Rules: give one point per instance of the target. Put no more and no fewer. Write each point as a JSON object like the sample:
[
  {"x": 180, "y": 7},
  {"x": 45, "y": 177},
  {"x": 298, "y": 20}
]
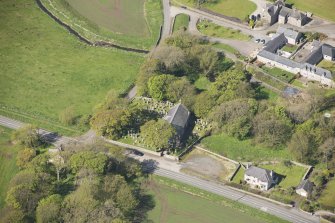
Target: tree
[
  {"x": 173, "y": 59},
  {"x": 49, "y": 209},
  {"x": 327, "y": 150},
  {"x": 28, "y": 136},
  {"x": 235, "y": 116},
  {"x": 203, "y": 104},
  {"x": 226, "y": 86},
  {"x": 181, "y": 90},
  {"x": 67, "y": 116},
  {"x": 157, "y": 134},
  {"x": 24, "y": 157},
  {"x": 301, "y": 146},
  {"x": 89, "y": 160},
  {"x": 112, "y": 123},
  {"x": 158, "y": 85},
  {"x": 271, "y": 128},
  {"x": 58, "y": 162}
]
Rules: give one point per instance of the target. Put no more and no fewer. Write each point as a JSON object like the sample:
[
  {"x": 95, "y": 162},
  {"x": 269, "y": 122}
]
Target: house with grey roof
[
  {"x": 293, "y": 37},
  {"x": 260, "y": 178},
  {"x": 271, "y": 13},
  {"x": 178, "y": 116},
  {"x": 305, "y": 188},
  {"x": 271, "y": 56},
  {"x": 328, "y": 52},
  {"x": 279, "y": 12}
]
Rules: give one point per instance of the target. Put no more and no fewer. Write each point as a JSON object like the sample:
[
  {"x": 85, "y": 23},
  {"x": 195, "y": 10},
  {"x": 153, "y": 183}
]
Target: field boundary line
[{"x": 101, "y": 43}]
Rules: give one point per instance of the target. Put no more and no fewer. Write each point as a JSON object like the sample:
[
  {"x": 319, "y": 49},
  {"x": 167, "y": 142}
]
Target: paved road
[
  {"x": 51, "y": 137},
  {"x": 170, "y": 169},
  {"x": 167, "y": 19}
]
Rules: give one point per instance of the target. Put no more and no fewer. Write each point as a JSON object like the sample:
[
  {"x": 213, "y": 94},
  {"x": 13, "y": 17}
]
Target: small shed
[{"x": 305, "y": 188}]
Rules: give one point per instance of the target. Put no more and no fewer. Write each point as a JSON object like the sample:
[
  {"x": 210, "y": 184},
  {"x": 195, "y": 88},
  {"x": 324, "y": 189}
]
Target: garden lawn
[
  {"x": 322, "y": 8},
  {"x": 327, "y": 198},
  {"x": 242, "y": 150},
  {"x": 279, "y": 73},
  {"x": 181, "y": 22},
  {"x": 129, "y": 23},
  {"x": 175, "y": 202},
  {"x": 44, "y": 69},
  {"x": 8, "y": 166},
  {"x": 234, "y": 8},
  {"x": 290, "y": 48},
  {"x": 211, "y": 29},
  {"x": 292, "y": 174}
]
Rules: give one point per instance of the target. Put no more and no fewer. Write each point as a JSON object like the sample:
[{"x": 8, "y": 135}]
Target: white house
[{"x": 260, "y": 178}]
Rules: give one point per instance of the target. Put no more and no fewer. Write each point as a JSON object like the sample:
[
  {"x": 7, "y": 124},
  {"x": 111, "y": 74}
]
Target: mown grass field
[
  {"x": 293, "y": 174},
  {"x": 44, "y": 69},
  {"x": 327, "y": 198},
  {"x": 234, "y": 8},
  {"x": 8, "y": 166},
  {"x": 322, "y": 8},
  {"x": 181, "y": 22},
  {"x": 176, "y": 202},
  {"x": 123, "y": 16},
  {"x": 211, "y": 29},
  {"x": 128, "y": 23},
  {"x": 242, "y": 150}
]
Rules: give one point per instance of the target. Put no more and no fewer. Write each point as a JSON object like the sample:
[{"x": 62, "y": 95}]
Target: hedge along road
[{"x": 83, "y": 39}]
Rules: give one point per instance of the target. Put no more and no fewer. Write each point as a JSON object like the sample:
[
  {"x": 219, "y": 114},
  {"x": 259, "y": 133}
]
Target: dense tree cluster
[{"x": 93, "y": 187}]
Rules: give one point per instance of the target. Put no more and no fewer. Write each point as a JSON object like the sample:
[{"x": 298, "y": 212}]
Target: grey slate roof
[
  {"x": 272, "y": 9},
  {"x": 289, "y": 33},
  {"x": 315, "y": 56},
  {"x": 277, "y": 42},
  {"x": 306, "y": 185},
  {"x": 297, "y": 15},
  {"x": 279, "y": 59},
  {"x": 318, "y": 70},
  {"x": 285, "y": 11},
  {"x": 178, "y": 117},
  {"x": 328, "y": 50},
  {"x": 261, "y": 174}
]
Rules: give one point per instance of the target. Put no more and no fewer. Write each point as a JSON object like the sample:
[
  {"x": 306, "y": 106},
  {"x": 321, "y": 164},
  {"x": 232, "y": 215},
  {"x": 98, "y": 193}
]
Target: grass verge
[
  {"x": 181, "y": 22},
  {"x": 8, "y": 166}
]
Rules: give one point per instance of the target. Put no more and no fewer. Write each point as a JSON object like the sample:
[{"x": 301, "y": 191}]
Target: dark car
[
  {"x": 183, "y": 7},
  {"x": 136, "y": 152}
]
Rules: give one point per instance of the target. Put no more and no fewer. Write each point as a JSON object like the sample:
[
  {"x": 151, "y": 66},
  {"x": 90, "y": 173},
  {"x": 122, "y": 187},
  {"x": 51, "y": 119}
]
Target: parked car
[
  {"x": 183, "y": 7},
  {"x": 135, "y": 152},
  {"x": 263, "y": 41},
  {"x": 257, "y": 40}
]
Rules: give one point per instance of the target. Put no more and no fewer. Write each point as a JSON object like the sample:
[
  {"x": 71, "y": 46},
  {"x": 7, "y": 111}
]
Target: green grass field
[
  {"x": 44, "y": 69},
  {"x": 125, "y": 16},
  {"x": 129, "y": 23},
  {"x": 293, "y": 174},
  {"x": 8, "y": 166},
  {"x": 211, "y": 29},
  {"x": 327, "y": 198},
  {"x": 242, "y": 150},
  {"x": 181, "y": 22},
  {"x": 176, "y": 202},
  {"x": 234, "y": 8},
  {"x": 322, "y": 8}
]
